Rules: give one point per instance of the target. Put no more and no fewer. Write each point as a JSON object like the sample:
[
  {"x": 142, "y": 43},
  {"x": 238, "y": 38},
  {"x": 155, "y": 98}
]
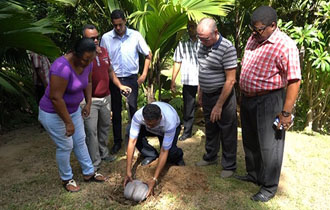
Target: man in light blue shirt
[
  {"x": 156, "y": 119},
  {"x": 124, "y": 45}
]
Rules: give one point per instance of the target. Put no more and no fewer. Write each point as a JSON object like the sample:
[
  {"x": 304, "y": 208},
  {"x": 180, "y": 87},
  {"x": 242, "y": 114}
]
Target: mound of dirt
[{"x": 174, "y": 179}]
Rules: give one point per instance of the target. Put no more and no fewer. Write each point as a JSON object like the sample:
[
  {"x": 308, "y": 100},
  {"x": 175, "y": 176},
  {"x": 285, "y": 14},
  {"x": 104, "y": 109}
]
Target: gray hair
[{"x": 208, "y": 23}]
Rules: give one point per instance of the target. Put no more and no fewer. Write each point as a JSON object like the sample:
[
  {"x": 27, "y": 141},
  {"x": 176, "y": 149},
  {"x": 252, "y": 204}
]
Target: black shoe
[
  {"x": 246, "y": 178},
  {"x": 147, "y": 161},
  {"x": 261, "y": 197},
  {"x": 110, "y": 158},
  {"x": 182, "y": 138},
  {"x": 115, "y": 149},
  {"x": 180, "y": 163}
]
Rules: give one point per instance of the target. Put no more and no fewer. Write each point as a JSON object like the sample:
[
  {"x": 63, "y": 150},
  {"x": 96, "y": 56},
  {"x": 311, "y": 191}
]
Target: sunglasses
[
  {"x": 257, "y": 30},
  {"x": 95, "y": 37}
]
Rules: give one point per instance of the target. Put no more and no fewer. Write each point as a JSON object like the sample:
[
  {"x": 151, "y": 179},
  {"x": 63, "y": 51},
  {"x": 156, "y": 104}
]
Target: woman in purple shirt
[{"x": 60, "y": 113}]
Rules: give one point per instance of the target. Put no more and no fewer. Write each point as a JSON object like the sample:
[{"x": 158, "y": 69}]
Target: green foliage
[
  {"x": 19, "y": 31},
  {"x": 313, "y": 41}
]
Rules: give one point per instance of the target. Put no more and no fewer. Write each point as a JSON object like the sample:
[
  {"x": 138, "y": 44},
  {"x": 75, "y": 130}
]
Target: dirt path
[{"x": 29, "y": 171}]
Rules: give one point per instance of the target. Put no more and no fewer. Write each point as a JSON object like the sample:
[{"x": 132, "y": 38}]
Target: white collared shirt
[
  {"x": 123, "y": 51},
  {"x": 167, "y": 126}
]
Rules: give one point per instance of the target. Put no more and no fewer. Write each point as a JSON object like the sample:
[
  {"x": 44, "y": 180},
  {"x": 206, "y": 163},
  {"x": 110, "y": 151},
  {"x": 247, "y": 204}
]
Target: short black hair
[
  {"x": 116, "y": 14},
  {"x": 264, "y": 14},
  {"x": 151, "y": 112},
  {"x": 87, "y": 26},
  {"x": 84, "y": 45}
]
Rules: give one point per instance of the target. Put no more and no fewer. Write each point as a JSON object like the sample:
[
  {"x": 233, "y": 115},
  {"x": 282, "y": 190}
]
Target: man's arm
[
  {"x": 176, "y": 69},
  {"x": 42, "y": 76},
  {"x": 116, "y": 81},
  {"x": 161, "y": 163},
  {"x": 147, "y": 62},
  {"x": 200, "y": 96},
  {"x": 88, "y": 97},
  {"x": 226, "y": 90},
  {"x": 130, "y": 153},
  {"x": 291, "y": 97}
]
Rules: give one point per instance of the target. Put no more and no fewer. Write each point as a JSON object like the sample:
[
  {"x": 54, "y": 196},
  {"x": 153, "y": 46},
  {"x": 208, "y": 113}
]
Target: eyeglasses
[
  {"x": 257, "y": 30},
  {"x": 203, "y": 39},
  {"x": 95, "y": 37}
]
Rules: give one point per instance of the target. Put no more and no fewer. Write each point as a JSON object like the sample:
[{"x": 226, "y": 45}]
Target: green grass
[{"x": 29, "y": 178}]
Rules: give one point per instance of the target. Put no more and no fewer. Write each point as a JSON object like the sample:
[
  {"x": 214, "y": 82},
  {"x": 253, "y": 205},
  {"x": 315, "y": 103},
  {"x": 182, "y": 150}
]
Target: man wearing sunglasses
[
  {"x": 97, "y": 124},
  {"x": 124, "y": 46},
  {"x": 269, "y": 82}
]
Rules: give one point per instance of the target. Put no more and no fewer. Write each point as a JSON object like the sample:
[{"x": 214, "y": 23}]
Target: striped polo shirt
[
  {"x": 186, "y": 54},
  {"x": 213, "y": 61}
]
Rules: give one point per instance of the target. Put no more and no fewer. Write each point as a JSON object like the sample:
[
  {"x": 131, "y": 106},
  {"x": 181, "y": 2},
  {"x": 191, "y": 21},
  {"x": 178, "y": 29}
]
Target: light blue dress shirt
[
  {"x": 167, "y": 126},
  {"x": 123, "y": 51}
]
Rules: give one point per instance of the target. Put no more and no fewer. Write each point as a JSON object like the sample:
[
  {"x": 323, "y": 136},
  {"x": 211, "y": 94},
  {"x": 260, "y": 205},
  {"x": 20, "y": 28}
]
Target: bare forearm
[
  {"x": 161, "y": 162},
  {"x": 88, "y": 93},
  {"x": 176, "y": 69},
  {"x": 146, "y": 64},
  {"x": 226, "y": 90},
  {"x": 130, "y": 153},
  {"x": 291, "y": 95},
  {"x": 61, "y": 110},
  {"x": 115, "y": 79}
]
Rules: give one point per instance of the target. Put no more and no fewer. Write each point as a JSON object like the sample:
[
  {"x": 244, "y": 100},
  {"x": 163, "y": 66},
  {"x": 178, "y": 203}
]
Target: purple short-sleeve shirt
[{"x": 74, "y": 93}]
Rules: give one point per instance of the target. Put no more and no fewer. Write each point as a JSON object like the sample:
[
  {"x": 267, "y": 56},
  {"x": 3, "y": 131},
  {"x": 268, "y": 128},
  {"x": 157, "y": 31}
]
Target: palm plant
[
  {"x": 20, "y": 32},
  {"x": 160, "y": 22}
]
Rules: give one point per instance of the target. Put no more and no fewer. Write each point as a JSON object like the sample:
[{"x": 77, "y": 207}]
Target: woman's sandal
[
  {"x": 71, "y": 185},
  {"x": 97, "y": 177}
]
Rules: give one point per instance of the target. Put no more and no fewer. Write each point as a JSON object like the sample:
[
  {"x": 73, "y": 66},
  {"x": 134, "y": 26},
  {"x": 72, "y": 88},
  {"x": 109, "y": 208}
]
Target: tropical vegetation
[{"x": 51, "y": 27}]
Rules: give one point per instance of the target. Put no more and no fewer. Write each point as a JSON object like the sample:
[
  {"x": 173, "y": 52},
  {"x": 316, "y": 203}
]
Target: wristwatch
[
  {"x": 155, "y": 179},
  {"x": 285, "y": 113}
]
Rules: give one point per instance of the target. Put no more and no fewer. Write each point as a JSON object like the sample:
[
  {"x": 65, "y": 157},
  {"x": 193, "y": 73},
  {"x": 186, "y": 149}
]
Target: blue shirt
[
  {"x": 167, "y": 126},
  {"x": 123, "y": 51}
]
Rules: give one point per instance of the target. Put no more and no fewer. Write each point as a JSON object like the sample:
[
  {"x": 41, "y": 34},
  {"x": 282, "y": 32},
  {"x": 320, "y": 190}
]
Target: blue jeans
[{"x": 55, "y": 127}]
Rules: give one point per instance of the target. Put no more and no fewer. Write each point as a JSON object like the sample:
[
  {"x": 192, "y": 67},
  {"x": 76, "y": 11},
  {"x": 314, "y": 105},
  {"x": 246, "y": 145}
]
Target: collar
[
  {"x": 128, "y": 32},
  {"x": 273, "y": 36},
  {"x": 271, "y": 39},
  {"x": 217, "y": 44}
]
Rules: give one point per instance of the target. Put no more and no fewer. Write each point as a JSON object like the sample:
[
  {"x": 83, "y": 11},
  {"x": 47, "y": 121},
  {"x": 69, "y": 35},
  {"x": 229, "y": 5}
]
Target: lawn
[{"x": 29, "y": 178}]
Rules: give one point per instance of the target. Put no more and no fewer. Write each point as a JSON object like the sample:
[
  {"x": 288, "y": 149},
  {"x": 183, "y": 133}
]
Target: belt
[
  {"x": 261, "y": 93},
  {"x": 128, "y": 77}
]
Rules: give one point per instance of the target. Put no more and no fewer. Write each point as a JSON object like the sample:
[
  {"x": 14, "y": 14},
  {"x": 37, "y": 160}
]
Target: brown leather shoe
[
  {"x": 71, "y": 185},
  {"x": 96, "y": 177}
]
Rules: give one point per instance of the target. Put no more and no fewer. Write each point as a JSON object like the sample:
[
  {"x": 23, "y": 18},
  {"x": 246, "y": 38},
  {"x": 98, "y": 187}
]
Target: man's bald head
[
  {"x": 207, "y": 25},
  {"x": 207, "y": 31}
]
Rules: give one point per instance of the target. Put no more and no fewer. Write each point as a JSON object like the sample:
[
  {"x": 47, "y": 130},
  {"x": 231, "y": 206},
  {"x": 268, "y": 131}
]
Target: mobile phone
[
  {"x": 277, "y": 121},
  {"x": 126, "y": 93}
]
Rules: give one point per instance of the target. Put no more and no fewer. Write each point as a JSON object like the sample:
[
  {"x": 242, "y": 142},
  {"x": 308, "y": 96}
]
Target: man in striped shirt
[
  {"x": 269, "y": 83},
  {"x": 217, "y": 71},
  {"x": 185, "y": 59}
]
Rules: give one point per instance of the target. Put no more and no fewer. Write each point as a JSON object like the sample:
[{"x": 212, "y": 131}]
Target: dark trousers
[
  {"x": 189, "y": 102},
  {"x": 116, "y": 104},
  {"x": 263, "y": 148},
  {"x": 223, "y": 131},
  {"x": 175, "y": 153}
]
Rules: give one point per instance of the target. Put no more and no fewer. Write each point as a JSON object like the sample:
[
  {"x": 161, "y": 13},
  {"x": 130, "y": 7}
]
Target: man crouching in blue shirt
[{"x": 156, "y": 119}]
